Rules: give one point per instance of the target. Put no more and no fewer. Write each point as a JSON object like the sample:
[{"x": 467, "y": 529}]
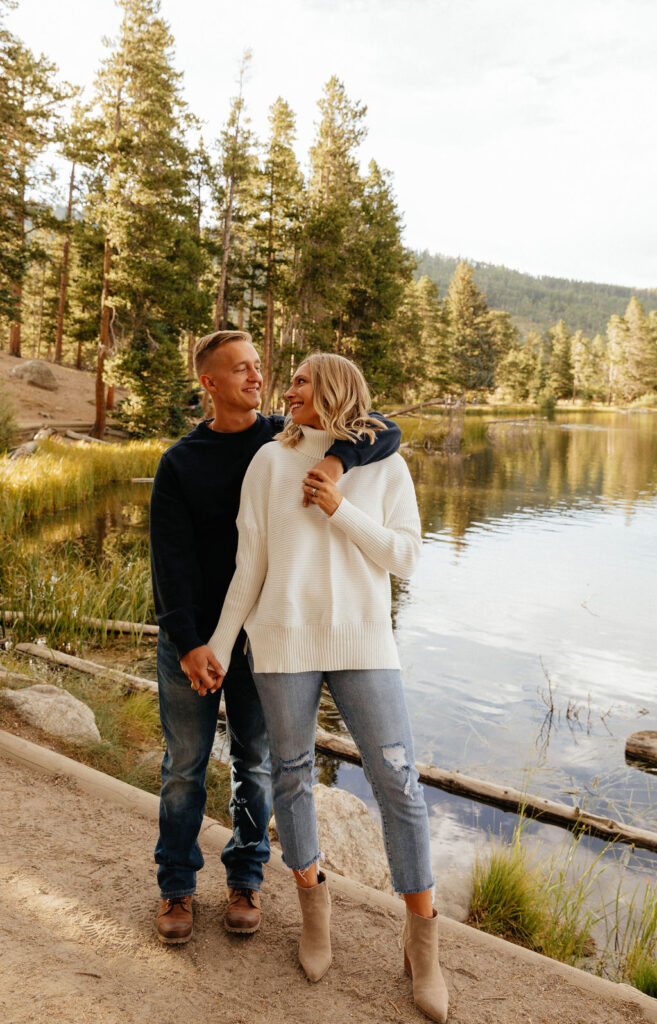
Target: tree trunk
[
  {"x": 268, "y": 354},
  {"x": 109, "y": 398},
  {"x": 41, "y": 300},
  {"x": 219, "y": 311},
  {"x": 103, "y": 345},
  {"x": 63, "y": 275},
  {"x": 191, "y": 344},
  {"x": 15, "y": 326}
]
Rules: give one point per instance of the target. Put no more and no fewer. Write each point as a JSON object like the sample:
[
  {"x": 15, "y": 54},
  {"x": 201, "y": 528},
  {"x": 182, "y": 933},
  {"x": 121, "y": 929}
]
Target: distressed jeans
[
  {"x": 189, "y": 723},
  {"x": 373, "y": 708}
]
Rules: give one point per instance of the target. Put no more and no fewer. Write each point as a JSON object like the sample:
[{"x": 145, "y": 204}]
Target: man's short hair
[{"x": 206, "y": 346}]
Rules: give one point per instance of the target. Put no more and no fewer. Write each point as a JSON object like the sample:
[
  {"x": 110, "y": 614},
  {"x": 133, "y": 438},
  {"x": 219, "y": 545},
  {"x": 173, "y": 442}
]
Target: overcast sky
[{"x": 518, "y": 133}]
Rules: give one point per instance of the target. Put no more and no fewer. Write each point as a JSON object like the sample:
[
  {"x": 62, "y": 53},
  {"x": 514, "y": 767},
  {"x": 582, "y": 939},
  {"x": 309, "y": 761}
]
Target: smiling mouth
[{"x": 295, "y": 405}]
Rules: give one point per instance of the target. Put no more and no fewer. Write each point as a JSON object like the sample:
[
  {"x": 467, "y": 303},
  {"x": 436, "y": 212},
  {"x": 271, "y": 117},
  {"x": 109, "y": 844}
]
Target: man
[{"x": 194, "y": 506}]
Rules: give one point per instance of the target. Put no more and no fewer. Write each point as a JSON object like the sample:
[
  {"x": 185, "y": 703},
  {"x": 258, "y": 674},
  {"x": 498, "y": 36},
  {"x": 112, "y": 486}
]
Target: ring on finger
[{"x": 314, "y": 492}]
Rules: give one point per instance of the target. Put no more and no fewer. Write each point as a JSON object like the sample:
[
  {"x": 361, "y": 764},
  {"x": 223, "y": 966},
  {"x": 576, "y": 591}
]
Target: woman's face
[{"x": 300, "y": 396}]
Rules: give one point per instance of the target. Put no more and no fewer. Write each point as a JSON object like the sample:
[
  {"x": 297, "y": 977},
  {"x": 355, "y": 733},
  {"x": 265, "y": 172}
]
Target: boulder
[
  {"x": 350, "y": 840},
  {"x": 453, "y": 893},
  {"x": 37, "y": 373},
  {"x": 54, "y": 710}
]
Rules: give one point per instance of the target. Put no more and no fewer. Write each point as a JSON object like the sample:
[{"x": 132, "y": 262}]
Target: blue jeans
[
  {"x": 373, "y": 708},
  {"x": 189, "y": 723}
]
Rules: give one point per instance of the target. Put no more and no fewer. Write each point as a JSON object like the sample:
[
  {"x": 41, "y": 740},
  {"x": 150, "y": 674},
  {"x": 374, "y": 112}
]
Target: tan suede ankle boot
[
  {"x": 421, "y": 962},
  {"x": 315, "y": 944}
]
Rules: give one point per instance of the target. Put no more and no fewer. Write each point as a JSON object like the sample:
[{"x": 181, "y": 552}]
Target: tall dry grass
[{"x": 60, "y": 475}]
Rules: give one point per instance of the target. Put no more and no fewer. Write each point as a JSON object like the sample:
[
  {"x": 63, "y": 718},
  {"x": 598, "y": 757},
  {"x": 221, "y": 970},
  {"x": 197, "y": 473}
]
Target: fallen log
[
  {"x": 505, "y": 797},
  {"x": 90, "y": 667},
  {"x": 142, "y": 480},
  {"x": 111, "y": 625},
  {"x": 74, "y": 436},
  {"x": 421, "y": 405}
]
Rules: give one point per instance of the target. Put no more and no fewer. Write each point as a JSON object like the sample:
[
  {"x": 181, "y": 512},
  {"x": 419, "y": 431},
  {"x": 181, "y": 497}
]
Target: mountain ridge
[{"x": 537, "y": 303}]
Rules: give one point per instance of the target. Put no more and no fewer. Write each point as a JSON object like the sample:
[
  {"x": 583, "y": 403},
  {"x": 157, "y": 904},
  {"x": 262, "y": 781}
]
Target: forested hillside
[{"x": 536, "y": 303}]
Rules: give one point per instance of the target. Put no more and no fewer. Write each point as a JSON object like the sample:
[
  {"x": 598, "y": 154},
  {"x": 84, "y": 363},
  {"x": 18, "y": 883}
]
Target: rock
[
  {"x": 350, "y": 840},
  {"x": 37, "y": 373},
  {"x": 453, "y": 893},
  {"x": 642, "y": 747},
  {"x": 55, "y": 711}
]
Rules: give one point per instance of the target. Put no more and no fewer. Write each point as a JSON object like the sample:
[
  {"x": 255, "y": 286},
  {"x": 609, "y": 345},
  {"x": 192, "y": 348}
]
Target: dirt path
[{"x": 79, "y": 944}]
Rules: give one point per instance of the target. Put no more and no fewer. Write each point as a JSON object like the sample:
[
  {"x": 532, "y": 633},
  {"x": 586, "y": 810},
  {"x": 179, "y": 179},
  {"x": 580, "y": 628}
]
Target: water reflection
[
  {"x": 527, "y": 633},
  {"x": 588, "y": 461}
]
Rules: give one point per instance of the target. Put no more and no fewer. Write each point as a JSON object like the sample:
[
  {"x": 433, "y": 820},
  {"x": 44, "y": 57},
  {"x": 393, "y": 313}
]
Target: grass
[
  {"x": 60, "y": 475},
  {"x": 554, "y": 909},
  {"x": 131, "y": 744},
  {"x": 56, "y": 588}
]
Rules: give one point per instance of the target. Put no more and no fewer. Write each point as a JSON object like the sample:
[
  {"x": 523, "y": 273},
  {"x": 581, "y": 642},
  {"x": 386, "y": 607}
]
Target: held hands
[
  {"x": 319, "y": 489},
  {"x": 203, "y": 670}
]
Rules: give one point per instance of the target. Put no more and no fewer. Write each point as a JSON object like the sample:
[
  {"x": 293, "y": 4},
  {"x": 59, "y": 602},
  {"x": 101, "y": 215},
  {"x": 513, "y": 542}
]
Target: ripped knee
[
  {"x": 395, "y": 757},
  {"x": 295, "y": 764}
]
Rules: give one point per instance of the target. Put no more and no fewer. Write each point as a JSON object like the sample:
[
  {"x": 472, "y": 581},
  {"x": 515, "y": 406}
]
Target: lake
[{"x": 527, "y": 634}]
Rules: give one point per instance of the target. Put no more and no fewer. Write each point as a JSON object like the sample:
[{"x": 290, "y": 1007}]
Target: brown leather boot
[
  {"x": 175, "y": 920},
  {"x": 243, "y": 911}
]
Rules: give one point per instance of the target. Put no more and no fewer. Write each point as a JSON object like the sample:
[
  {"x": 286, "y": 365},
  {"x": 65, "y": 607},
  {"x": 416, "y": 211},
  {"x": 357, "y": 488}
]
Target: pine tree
[
  {"x": 151, "y": 254},
  {"x": 435, "y": 338},
  {"x": 561, "y": 372},
  {"x": 420, "y": 345},
  {"x": 334, "y": 219},
  {"x": 640, "y": 372},
  {"x": 515, "y": 372},
  {"x": 281, "y": 203},
  {"x": 472, "y": 333},
  {"x": 616, "y": 343},
  {"x": 237, "y": 168},
  {"x": 632, "y": 354},
  {"x": 30, "y": 101},
  {"x": 380, "y": 270}
]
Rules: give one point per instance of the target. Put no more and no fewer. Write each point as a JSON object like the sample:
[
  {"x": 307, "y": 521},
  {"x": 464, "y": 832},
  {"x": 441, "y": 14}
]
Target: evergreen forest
[{"x": 164, "y": 229}]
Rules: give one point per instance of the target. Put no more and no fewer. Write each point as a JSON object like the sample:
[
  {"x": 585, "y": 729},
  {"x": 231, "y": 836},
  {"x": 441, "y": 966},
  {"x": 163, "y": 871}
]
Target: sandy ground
[
  {"x": 72, "y": 405},
  {"x": 79, "y": 945}
]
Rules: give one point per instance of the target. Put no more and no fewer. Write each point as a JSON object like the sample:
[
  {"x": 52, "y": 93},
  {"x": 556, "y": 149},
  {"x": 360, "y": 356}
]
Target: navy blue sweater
[{"x": 194, "y": 505}]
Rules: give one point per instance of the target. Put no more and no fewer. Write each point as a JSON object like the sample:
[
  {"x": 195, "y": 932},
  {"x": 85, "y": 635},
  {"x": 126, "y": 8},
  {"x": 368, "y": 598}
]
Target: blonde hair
[
  {"x": 206, "y": 346},
  {"x": 341, "y": 399}
]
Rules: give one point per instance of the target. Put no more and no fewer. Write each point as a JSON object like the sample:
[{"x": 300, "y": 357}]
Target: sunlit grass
[
  {"x": 55, "y": 590},
  {"x": 555, "y": 908},
  {"x": 59, "y": 475}
]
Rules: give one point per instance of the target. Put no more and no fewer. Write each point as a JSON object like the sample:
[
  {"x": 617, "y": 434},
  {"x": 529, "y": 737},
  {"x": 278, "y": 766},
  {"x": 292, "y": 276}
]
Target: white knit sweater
[{"x": 312, "y": 590}]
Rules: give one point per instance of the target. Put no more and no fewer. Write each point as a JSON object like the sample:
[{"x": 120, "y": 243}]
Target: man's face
[{"x": 232, "y": 375}]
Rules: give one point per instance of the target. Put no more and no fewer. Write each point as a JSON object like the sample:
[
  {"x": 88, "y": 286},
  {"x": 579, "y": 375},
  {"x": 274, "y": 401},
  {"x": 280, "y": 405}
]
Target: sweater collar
[{"x": 314, "y": 443}]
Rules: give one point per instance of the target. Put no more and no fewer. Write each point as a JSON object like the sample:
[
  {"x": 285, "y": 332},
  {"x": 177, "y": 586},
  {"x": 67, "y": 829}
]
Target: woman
[{"x": 311, "y": 588}]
